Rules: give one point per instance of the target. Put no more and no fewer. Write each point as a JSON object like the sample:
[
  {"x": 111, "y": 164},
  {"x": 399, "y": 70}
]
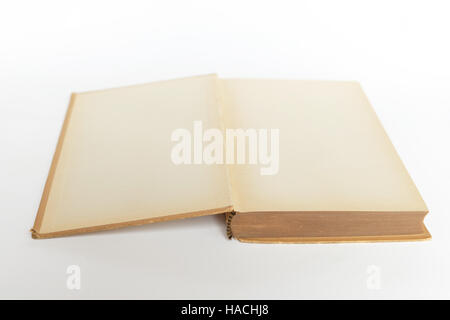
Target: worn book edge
[
  {"x": 424, "y": 236},
  {"x": 36, "y": 235},
  {"x": 51, "y": 174}
]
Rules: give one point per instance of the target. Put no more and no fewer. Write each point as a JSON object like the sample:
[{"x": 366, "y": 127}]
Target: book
[{"x": 285, "y": 160}]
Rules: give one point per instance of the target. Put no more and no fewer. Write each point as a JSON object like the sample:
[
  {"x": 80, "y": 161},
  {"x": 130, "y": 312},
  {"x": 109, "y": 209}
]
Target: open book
[{"x": 285, "y": 160}]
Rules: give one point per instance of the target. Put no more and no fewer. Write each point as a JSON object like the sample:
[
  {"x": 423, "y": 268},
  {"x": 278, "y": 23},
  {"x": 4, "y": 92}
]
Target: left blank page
[{"x": 112, "y": 165}]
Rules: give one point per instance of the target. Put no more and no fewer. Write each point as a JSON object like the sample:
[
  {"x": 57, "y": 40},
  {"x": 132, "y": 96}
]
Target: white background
[{"x": 398, "y": 50}]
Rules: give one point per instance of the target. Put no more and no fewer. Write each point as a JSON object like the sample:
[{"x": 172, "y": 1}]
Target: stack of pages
[{"x": 284, "y": 160}]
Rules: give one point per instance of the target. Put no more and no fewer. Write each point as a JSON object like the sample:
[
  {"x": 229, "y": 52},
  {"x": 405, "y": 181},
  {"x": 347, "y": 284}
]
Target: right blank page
[{"x": 334, "y": 153}]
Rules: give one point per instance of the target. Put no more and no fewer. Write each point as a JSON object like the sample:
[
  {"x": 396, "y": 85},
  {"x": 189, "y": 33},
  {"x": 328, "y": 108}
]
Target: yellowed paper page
[
  {"x": 334, "y": 154},
  {"x": 113, "y": 162}
]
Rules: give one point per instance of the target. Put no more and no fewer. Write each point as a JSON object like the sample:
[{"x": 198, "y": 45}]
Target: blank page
[
  {"x": 334, "y": 154},
  {"x": 113, "y": 162}
]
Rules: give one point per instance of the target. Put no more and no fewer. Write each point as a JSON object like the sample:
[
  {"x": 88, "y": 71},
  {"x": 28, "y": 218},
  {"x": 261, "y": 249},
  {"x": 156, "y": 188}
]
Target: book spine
[{"x": 229, "y": 217}]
